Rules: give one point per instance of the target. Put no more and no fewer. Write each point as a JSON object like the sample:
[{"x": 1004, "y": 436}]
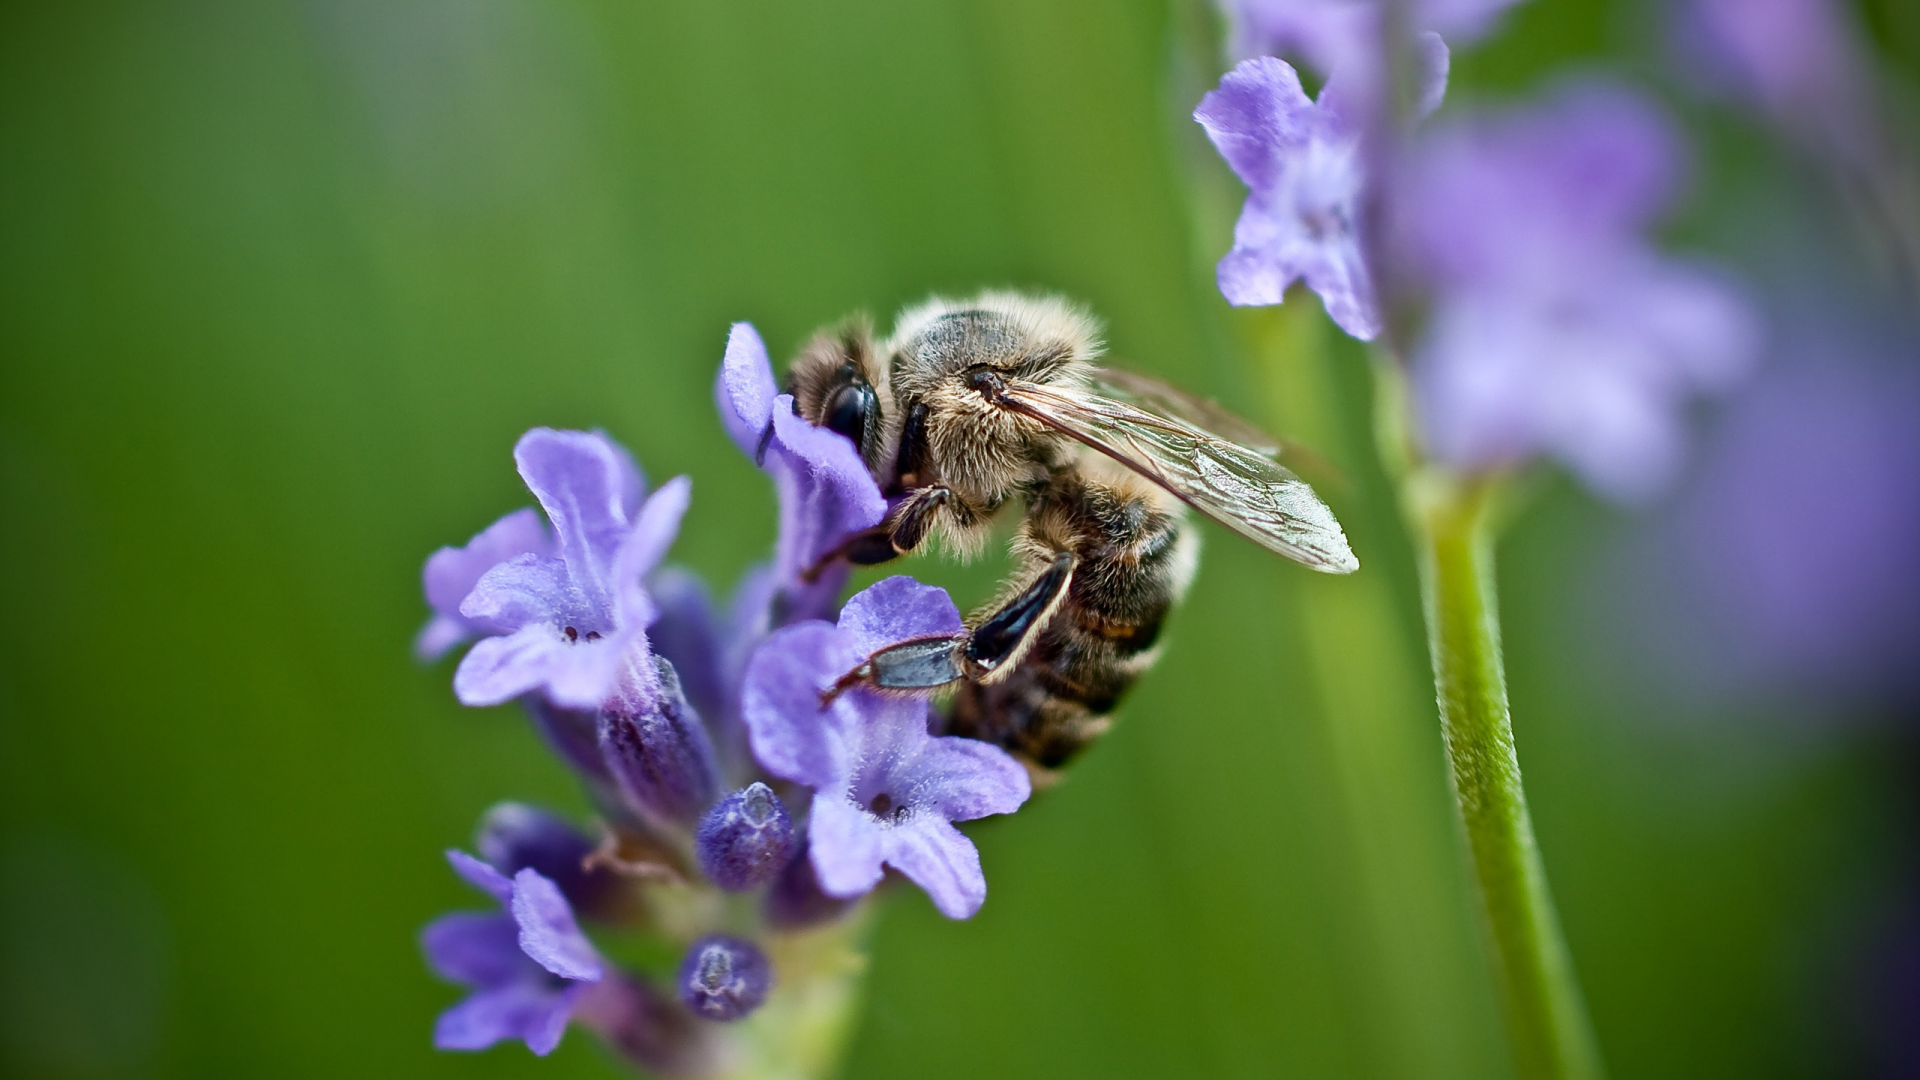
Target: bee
[{"x": 970, "y": 405}]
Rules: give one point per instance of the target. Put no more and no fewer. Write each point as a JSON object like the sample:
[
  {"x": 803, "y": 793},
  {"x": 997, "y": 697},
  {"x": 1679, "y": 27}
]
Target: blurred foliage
[{"x": 280, "y": 283}]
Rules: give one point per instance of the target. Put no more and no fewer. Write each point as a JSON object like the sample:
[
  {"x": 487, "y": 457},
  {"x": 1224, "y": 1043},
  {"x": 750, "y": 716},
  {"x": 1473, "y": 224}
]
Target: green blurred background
[{"x": 281, "y": 282}]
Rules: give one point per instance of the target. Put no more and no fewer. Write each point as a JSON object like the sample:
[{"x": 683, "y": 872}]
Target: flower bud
[
  {"x": 724, "y": 978},
  {"x": 515, "y": 836},
  {"x": 746, "y": 839},
  {"x": 656, "y": 747}
]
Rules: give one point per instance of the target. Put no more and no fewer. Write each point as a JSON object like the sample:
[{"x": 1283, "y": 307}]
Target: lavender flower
[
  {"x": 825, "y": 489},
  {"x": 529, "y": 966},
  {"x": 1797, "y": 59},
  {"x": 885, "y": 791},
  {"x": 451, "y": 574},
  {"x": 1305, "y": 166},
  {"x": 1332, "y": 35},
  {"x": 724, "y": 978},
  {"x": 746, "y": 839},
  {"x": 515, "y": 837},
  {"x": 1556, "y": 328},
  {"x": 570, "y": 620}
]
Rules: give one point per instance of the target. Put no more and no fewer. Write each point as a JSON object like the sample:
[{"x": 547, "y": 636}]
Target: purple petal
[
  {"x": 1432, "y": 63},
  {"x": 451, "y": 574},
  {"x": 548, "y": 932},
  {"x": 896, "y": 609},
  {"x": 576, "y": 675},
  {"x": 936, "y": 857},
  {"x": 844, "y": 843},
  {"x": 826, "y": 494},
  {"x": 481, "y": 876},
  {"x": 792, "y": 736},
  {"x": 746, "y": 388},
  {"x": 643, "y": 548},
  {"x": 474, "y": 948},
  {"x": 528, "y": 589},
  {"x": 529, "y": 1011},
  {"x": 1258, "y": 110},
  {"x": 582, "y": 481},
  {"x": 963, "y": 779}
]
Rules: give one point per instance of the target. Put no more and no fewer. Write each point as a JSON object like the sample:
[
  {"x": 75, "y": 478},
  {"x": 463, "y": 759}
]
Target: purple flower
[
  {"x": 451, "y": 574},
  {"x": 1331, "y": 35},
  {"x": 569, "y": 621},
  {"x": 825, "y": 490},
  {"x": 529, "y": 966},
  {"x": 1556, "y": 328},
  {"x": 1305, "y": 167},
  {"x": 1797, "y": 59},
  {"x": 885, "y": 791},
  {"x": 724, "y": 978}
]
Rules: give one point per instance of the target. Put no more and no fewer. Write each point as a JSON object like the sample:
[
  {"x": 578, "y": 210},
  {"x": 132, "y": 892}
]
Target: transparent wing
[
  {"x": 1152, "y": 395},
  {"x": 1238, "y": 487}
]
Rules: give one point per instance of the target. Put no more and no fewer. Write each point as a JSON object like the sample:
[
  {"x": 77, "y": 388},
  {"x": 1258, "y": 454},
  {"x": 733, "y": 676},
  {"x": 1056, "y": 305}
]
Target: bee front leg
[{"x": 903, "y": 531}]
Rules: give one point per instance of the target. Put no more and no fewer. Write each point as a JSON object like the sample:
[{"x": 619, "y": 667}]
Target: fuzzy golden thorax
[{"x": 984, "y": 452}]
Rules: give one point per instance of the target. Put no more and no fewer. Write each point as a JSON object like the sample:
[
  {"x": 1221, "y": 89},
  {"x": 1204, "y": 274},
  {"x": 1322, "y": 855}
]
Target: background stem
[{"x": 1546, "y": 1019}]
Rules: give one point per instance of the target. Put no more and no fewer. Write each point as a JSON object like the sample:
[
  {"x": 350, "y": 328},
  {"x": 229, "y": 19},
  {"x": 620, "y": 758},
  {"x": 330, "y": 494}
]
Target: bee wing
[
  {"x": 1152, "y": 395},
  {"x": 1238, "y": 487}
]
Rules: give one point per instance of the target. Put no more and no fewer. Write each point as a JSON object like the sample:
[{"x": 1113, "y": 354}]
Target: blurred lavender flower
[
  {"x": 1797, "y": 59},
  {"x": 1333, "y": 35},
  {"x": 570, "y": 620},
  {"x": 825, "y": 489},
  {"x": 885, "y": 791},
  {"x": 1305, "y": 168},
  {"x": 529, "y": 966},
  {"x": 451, "y": 574},
  {"x": 1556, "y": 328}
]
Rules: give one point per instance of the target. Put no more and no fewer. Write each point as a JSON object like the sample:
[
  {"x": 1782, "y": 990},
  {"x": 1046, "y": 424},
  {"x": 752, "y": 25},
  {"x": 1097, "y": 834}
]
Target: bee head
[{"x": 837, "y": 384}]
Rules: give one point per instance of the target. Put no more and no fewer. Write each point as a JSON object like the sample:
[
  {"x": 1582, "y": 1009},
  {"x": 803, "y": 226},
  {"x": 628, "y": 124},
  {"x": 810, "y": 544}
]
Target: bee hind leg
[{"x": 988, "y": 650}]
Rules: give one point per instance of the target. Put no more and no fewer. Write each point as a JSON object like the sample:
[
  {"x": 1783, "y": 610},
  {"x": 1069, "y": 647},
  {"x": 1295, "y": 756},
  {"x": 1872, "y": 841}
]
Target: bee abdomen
[{"x": 1132, "y": 563}]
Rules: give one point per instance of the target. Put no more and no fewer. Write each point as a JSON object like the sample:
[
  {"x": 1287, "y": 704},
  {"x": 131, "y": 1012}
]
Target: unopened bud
[
  {"x": 656, "y": 747},
  {"x": 724, "y": 978},
  {"x": 746, "y": 839}
]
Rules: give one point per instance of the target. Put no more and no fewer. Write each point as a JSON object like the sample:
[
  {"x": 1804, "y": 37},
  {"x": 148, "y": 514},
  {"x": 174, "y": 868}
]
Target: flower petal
[
  {"x": 527, "y": 589},
  {"x": 528, "y": 1010},
  {"x": 939, "y": 859},
  {"x": 451, "y": 573},
  {"x": 792, "y": 735},
  {"x": 965, "y": 779},
  {"x": 895, "y": 609},
  {"x": 481, "y": 876},
  {"x": 644, "y": 546},
  {"x": 1258, "y": 109},
  {"x": 548, "y": 932},
  {"x": 745, "y": 389},
  {"x": 479, "y": 949},
  {"x": 582, "y": 481},
  {"x": 844, "y": 843}
]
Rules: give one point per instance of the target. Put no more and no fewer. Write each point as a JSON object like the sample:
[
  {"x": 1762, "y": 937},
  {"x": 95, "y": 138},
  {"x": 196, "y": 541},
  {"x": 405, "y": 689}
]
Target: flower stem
[{"x": 1546, "y": 1019}]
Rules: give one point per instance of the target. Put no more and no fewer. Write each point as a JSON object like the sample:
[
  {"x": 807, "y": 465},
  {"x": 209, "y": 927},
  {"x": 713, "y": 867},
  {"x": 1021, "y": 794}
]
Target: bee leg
[
  {"x": 903, "y": 531},
  {"x": 997, "y": 643},
  {"x": 926, "y": 663}
]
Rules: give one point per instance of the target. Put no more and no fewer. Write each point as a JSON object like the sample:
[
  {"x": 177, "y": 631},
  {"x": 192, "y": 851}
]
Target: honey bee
[{"x": 972, "y": 404}]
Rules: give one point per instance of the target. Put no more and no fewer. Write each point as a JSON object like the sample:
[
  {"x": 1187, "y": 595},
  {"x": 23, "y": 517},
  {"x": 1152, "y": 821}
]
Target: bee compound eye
[{"x": 851, "y": 412}]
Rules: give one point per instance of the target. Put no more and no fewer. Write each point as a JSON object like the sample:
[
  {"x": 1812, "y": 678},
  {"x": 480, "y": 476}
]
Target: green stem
[{"x": 1546, "y": 1019}]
